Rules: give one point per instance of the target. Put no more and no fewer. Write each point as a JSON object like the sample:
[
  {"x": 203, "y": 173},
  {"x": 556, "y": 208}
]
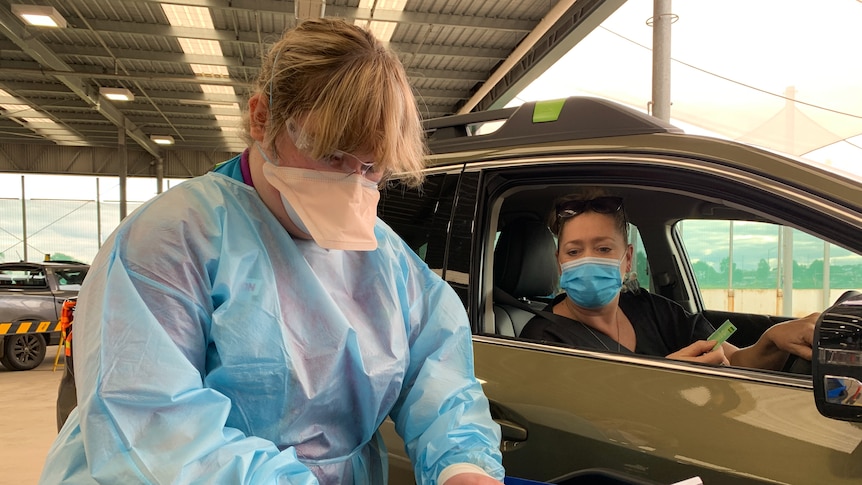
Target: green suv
[{"x": 728, "y": 230}]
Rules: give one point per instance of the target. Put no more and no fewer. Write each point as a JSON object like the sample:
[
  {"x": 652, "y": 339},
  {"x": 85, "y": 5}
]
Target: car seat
[{"x": 525, "y": 268}]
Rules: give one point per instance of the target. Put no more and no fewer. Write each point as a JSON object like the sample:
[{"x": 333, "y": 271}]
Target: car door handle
[
  {"x": 511, "y": 430},
  {"x": 513, "y": 434}
]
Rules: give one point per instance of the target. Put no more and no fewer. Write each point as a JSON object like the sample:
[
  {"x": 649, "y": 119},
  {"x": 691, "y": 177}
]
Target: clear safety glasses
[{"x": 337, "y": 160}]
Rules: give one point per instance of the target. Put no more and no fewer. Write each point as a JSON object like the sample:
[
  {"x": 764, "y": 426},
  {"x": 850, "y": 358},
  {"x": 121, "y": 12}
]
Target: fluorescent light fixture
[
  {"x": 384, "y": 4},
  {"x": 39, "y": 15},
  {"x": 14, "y": 110},
  {"x": 210, "y": 70},
  {"x": 117, "y": 94},
  {"x": 162, "y": 139},
  {"x": 229, "y": 122},
  {"x": 201, "y": 46},
  {"x": 381, "y": 30},
  {"x": 216, "y": 89},
  {"x": 186, "y": 16},
  {"x": 309, "y": 9}
]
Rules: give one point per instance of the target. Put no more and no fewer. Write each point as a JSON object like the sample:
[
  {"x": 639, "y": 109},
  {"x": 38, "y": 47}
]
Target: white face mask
[{"x": 337, "y": 210}]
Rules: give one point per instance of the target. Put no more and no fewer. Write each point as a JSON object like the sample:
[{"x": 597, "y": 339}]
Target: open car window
[{"x": 765, "y": 268}]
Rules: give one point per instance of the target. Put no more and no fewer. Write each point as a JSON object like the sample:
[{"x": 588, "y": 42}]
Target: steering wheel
[{"x": 798, "y": 365}]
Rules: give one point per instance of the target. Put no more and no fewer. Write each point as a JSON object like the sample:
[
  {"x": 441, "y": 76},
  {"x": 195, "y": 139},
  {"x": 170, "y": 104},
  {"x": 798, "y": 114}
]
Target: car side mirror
[{"x": 837, "y": 359}]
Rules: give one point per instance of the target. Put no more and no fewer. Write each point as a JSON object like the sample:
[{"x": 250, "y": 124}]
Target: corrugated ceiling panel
[{"x": 449, "y": 47}]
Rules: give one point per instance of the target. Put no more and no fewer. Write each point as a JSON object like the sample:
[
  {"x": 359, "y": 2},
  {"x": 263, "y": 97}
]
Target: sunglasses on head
[{"x": 601, "y": 205}]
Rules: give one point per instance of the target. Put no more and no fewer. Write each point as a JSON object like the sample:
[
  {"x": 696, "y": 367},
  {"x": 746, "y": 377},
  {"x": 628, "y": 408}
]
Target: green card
[{"x": 723, "y": 333}]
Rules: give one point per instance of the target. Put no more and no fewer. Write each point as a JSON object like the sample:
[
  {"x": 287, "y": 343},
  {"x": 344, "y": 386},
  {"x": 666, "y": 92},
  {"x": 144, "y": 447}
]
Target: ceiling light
[
  {"x": 217, "y": 89},
  {"x": 39, "y": 15},
  {"x": 186, "y": 16},
  {"x": 117, "y": 94},
  {"x": 200, "y": 46},
  {"x": 382, "y": 30},
  {"x": 162, "y": 139},
  {"x": 209, "y": 70},
  {"x": 309, "y": 9}
]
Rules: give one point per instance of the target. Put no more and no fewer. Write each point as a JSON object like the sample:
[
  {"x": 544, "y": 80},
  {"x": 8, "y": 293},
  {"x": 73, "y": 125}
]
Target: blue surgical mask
[{"x": 591, "y": 282}]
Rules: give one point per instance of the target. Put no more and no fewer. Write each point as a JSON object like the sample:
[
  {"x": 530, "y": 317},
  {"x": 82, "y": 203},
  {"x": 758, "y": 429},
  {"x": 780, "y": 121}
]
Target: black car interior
[{"x": 525, "y": 267}]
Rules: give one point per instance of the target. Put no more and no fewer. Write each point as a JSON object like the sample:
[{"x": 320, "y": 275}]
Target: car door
[
  {"x": 422, "y": 217},
  {"x": 26, "y": 295},
  {"x": 567, "y": 409},
  {"x": 563, "y": 410}
]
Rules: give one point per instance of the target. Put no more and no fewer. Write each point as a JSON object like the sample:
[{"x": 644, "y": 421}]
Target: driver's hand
[
  {"x": 701, "y": 351},
  {"x": 794, "y": 336}
]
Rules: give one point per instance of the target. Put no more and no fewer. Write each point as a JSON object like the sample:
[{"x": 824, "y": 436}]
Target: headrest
[{"x": 525, "y": 264}]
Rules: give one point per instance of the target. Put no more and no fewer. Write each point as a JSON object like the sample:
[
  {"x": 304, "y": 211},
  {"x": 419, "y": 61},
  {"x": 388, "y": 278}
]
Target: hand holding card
[{"x": 723, "y": 333}]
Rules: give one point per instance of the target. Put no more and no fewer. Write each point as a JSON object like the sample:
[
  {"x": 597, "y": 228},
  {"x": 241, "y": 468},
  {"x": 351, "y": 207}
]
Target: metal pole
[
  {"x": 24, "y": 218},
  {"x": 98, "y": 215},
  {"x": 787, "y": 263},
  {"x": 779, "y": 273},
  {"x": 160, "y": 174},
  {"x": 730, "y": 295},
  {"x": 826, "y": 270},
  {"x": 124, "y": 169},
  {"x": 789, "y": 120},
  {"x": 662, "y": 19}
]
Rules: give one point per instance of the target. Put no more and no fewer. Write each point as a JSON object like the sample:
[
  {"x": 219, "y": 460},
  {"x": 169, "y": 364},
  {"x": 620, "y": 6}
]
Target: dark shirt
[{"x": 661, "y": 326}]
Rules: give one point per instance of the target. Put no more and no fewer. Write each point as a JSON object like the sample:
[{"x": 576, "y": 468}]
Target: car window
[
  {"x": 640, "y": 262},
  {"x": 420, "y": 216},
  {"x": 15, "y": 278},
  {"x": 776, "y": 270},
  {"x": 70, "y": 279},
  {"x": 458, "y": 256}
]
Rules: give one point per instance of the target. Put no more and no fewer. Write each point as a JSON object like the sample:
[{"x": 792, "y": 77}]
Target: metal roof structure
[{"x": 190, "y": 64}]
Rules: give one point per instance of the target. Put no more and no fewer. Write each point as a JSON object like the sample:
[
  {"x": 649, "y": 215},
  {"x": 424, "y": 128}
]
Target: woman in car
[{"x": 597, "y": 310}]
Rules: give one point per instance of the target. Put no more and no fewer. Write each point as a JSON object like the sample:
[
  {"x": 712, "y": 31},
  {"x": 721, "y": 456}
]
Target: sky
[{"x": 734, "y": 64}]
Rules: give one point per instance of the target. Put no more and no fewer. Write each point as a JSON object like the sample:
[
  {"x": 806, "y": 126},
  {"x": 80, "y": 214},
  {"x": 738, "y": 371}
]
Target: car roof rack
[
  {"x": 573, "y": 118},
  {"x": 53, "y": 262}
]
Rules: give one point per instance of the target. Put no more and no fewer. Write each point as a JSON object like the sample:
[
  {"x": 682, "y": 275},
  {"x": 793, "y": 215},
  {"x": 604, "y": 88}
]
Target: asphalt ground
[{"x": 28, "y": 420}]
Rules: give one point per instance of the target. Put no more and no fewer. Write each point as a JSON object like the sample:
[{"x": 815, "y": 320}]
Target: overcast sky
[{"x": 734, "y": 62}]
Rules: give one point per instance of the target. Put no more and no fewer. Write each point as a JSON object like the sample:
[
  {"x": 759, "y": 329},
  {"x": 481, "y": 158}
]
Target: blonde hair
[{"x": 349, "y": 91}]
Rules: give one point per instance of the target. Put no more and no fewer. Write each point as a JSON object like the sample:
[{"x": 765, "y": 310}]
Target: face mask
[
  {"x": 337, "y": 210},
  {"x": 591, "y": 282}
]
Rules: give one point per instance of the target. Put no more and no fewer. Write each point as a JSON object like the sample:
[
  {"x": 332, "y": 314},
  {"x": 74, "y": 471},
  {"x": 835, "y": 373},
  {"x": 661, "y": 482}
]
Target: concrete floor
[{"x": 28, "y": 422}]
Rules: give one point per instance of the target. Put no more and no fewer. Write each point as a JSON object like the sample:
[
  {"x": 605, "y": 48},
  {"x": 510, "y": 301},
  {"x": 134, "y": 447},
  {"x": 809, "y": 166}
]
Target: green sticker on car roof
[{"x": 545, "y": 111}]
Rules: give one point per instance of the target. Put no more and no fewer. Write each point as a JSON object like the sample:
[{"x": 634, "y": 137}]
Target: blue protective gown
[{"x": 211, "y": 347}]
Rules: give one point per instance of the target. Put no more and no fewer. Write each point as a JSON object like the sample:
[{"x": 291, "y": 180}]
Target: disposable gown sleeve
[
  {"x": 145, "y": 416},
  {"x": 443, "y": 415}
]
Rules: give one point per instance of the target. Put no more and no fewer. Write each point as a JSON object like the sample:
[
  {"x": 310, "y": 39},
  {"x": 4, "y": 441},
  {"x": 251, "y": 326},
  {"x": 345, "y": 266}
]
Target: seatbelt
[{"x": 580, "y": 328}]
